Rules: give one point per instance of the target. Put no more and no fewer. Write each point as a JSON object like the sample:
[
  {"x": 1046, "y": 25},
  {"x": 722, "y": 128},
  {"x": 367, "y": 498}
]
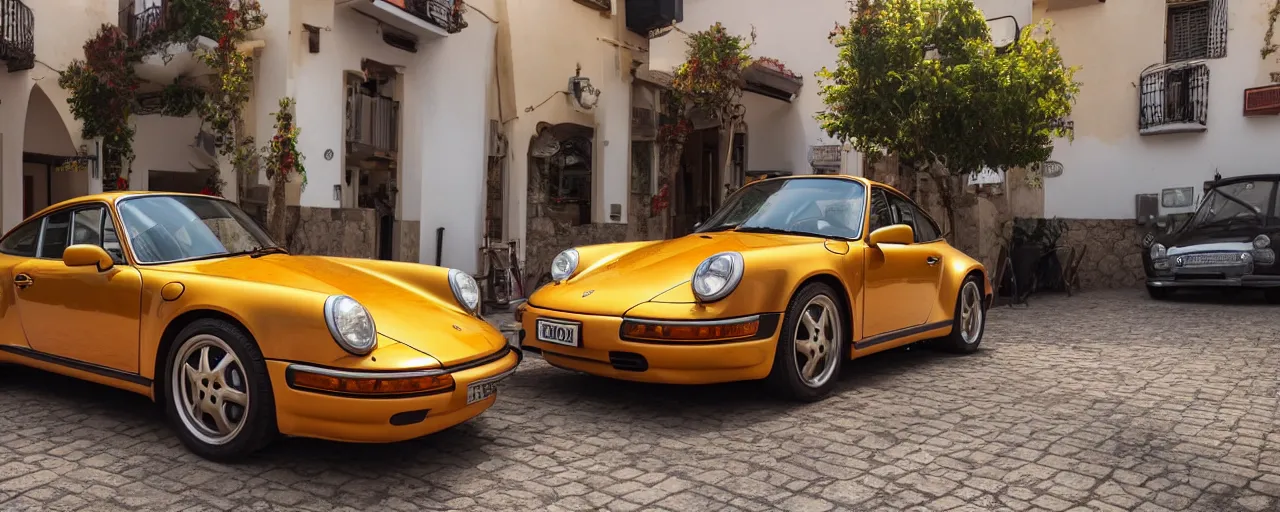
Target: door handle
[
  {"x": 23, "y": 280},
  {"x": 932, "y": 260}
]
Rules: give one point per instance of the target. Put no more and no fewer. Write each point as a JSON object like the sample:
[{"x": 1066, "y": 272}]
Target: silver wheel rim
[
  {"x": 210, "y": 389},
  {"x": 816, "y": 337},
  {"x": 970, "y": 313}
]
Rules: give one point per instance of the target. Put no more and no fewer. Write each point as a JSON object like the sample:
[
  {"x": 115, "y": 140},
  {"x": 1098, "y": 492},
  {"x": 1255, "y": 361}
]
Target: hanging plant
[
  {"x": 103, "y": 89},
  {"x": 282, "y": 155}
]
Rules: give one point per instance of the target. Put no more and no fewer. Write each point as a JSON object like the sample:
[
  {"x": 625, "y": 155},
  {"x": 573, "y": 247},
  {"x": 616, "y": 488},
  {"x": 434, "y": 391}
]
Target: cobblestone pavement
[{"x": 1102, "y": 401}]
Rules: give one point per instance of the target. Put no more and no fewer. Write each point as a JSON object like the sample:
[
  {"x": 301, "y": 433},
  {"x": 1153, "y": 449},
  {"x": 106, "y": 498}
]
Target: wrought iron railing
[
  {"x": 1174, "y": 98},
  {"x": 17, "y": 35},
  {"x": 150, "y": 20},
  {"x": 373, "y": 121},
  {"x": 441, "y": 13}
]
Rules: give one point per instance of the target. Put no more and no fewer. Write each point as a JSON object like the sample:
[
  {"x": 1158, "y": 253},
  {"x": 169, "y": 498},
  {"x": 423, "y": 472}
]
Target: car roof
[
  {"x": 1242, "y": 179},
  {"x": 111, "y": 198},
  {"x": 845, "y": 177}
]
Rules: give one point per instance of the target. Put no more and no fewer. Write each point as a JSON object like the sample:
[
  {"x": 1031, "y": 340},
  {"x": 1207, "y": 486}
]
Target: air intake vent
[{"x": 1262, "y": 101}]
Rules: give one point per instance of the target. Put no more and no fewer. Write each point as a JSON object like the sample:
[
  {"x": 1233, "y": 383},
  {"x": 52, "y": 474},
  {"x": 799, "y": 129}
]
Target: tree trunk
[
  {"x": 727, "y": 133},
  {"x": 277, "y": 210},
  {"x": 669, "y": 164}
]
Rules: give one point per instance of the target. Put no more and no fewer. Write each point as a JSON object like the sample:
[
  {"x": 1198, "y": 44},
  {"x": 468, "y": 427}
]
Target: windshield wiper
[{"x": 263, "y": 251}]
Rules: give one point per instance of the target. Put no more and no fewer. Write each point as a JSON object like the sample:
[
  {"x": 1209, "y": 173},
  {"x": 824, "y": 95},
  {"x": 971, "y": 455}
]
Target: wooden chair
[
  {"x": 1071, "y": 273},
  {"x": 1004, "y": 267}
]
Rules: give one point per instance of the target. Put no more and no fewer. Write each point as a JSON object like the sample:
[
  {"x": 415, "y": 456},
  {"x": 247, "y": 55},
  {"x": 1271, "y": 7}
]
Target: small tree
[
  {"x": 708, "y": 81},
  {"x": 282, "y": 161},
  {"x": 921, "y": 79}
]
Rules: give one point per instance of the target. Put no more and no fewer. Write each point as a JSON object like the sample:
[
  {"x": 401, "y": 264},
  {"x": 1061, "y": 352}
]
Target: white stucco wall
[
  {"x": 164, "y": 144},
  {"x": 1109, "y": 163}
]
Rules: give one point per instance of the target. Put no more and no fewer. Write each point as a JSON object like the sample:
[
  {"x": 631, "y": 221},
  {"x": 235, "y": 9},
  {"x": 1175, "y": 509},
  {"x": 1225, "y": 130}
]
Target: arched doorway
[{"x": 46, "y": 150}]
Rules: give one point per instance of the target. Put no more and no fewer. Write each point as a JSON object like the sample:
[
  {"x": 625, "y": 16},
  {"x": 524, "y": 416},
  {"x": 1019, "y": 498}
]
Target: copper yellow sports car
[
  {"x": 185, "y": 299},
  {"x": 792, "y": 277}
]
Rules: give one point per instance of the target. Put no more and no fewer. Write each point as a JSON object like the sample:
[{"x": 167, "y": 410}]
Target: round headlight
[
  {"x": 717, "y": 276},
  {"x": 1262, "y": 242},
  {"x": 465, "y": 289},
  {"x": 565, "y": 263},
  {"x": 350, "y": 324},
  {"x": 1158, "y": 252}
]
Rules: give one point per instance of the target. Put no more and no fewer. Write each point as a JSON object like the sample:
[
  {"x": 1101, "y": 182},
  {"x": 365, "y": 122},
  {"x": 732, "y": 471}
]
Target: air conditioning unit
[
  {"x": 646, "y": 16},
  {"x": 1262, "y": 101}
]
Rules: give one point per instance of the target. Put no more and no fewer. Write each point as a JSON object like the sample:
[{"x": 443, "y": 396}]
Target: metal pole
[{"x": 439, "y": 245}]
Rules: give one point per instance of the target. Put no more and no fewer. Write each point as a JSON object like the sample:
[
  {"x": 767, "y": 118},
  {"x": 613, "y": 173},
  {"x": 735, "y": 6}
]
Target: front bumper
[
  {"x": 1246, "y": 281},
  {"x": 603, "y": 352},
  {"x": 306, "y": 413}
]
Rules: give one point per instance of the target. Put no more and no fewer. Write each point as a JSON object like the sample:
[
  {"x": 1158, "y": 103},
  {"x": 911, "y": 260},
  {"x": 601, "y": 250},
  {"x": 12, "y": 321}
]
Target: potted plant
[{"x": 1032, "y": 250}]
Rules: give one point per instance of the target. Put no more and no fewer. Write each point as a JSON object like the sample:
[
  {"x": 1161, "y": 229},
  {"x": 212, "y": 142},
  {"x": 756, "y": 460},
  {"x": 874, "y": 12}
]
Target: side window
[
  {"x": 926, "y": 230},
  {"x": 111, "y": 241},
  {"x": 56, "y": 231},
  {"x": 880, "y": 214},
  {"x": 902, "y": 209},
  {"x": 22, "y": 242},
  {"x": 93, "y": 226}
]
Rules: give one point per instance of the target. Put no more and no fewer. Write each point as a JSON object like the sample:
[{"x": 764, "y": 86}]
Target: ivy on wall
[
  {"x": 1269, "y": 47},
  {"x": 104, "y": 85}
]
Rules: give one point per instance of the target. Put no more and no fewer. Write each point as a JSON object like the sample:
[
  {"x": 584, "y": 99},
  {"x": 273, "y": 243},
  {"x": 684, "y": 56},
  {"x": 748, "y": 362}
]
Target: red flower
[
  {"x": 122, "y": 183},
  {"x": 206, "y": 191}
]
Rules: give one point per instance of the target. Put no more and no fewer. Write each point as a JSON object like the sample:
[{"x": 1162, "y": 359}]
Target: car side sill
[
  {"x": 77, "y": 365},
  {"x": 899, "y": 334}
]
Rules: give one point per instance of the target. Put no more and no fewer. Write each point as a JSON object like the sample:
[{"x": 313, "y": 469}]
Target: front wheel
[
  {"x": 970, "y": 320},
  {"x": 218, "y": 394},
  {"x": 811, "y": 348}
]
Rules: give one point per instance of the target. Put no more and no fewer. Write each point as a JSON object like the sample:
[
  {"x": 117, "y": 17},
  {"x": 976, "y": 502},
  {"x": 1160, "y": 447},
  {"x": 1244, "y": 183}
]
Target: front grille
[{"x": 1210, "y": 259}]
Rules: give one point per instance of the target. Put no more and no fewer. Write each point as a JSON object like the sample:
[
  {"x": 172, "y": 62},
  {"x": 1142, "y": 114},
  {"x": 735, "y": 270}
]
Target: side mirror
[
  {"x": 85, "y": 255},
  {"x": 900, "y": 234}
]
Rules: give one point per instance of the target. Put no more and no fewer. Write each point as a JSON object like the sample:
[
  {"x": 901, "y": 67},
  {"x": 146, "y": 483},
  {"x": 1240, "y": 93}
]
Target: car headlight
[
  {"x": 717, "y": 276},
  {"x": 565, "y": 263},
  {"x": 1158, "y": 252},
  {"x": 1262, "y": 242},
  {"x": 465, "y": 289},
  {"x": 350, "y": 324}
]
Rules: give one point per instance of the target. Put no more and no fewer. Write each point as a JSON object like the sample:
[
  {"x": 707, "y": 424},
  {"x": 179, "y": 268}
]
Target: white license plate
[
  {"x": 558, "y": 332},
  {"x": 478, "y": 391}
]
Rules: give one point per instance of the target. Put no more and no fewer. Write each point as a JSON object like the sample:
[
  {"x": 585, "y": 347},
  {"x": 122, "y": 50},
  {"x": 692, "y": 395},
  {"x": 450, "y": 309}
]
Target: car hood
[
  {"x": 400, "y": 310},
  {"x": 1214, "y": 235},
  {"x": 620, "y": 281}
]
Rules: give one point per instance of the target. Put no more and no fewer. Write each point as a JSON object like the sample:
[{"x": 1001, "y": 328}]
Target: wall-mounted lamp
[{"x": 581, "y": 92}]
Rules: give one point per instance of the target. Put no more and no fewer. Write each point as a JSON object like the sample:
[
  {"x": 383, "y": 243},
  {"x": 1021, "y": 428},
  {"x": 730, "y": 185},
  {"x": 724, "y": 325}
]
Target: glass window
[
  {"x": 56, "y": 231},
  {"x": 824, "y": 207},
  {"x": 926, "y": 230},
  {"x": 111, "y": 240},
  {"x": 22, "y": 242},
  {"x": 175, "y": 228},
  {"x": 1242, "y": 203},
  {"x": 902, "y": 211},
  {"x": 87, "y": 228},
  {"x": 881, "y": 216}
]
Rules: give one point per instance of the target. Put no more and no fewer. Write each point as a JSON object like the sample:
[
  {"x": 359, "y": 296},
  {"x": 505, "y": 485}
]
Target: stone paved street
[{"x": 1105, "y": 401}]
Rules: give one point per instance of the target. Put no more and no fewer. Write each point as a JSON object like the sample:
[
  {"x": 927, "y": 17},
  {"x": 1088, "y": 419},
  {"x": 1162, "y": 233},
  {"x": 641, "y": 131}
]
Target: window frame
[
  {"x": 870, "y": 206},
  {"x": 39, "y": 233},
  {"x": 122, "y": 230},
  {"x": 43, "y": 219},
  {"x": 916, "y": 214}
]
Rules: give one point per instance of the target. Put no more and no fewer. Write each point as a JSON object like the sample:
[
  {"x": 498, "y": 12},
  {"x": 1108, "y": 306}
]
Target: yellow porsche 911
[
  {"x": 792, "y": 277},
  {"x": 185, "y": 299}
]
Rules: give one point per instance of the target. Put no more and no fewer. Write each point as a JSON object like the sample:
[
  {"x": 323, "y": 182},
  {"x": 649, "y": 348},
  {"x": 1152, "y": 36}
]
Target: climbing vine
[
  {"x": 282, "y": 160},
  {"x": 1269, "y": 47},
  {"x": 104, "y": 85}
]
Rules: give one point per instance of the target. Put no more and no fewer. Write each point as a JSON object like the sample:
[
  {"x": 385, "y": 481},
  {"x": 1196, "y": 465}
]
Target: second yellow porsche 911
[{"x": 792, "y": 277}]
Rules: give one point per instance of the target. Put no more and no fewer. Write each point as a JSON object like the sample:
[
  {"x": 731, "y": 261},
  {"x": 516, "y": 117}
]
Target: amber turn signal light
[
  {"x": 365, "y": 386},
  {"x": 679, "y": 332}
]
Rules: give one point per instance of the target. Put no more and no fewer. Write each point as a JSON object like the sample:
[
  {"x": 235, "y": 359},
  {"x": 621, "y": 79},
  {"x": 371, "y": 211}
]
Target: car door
[
  {"x": 900, "y": 283},
  {"x": 15, "y": 249},
  {"x": 80, "y": 313}
]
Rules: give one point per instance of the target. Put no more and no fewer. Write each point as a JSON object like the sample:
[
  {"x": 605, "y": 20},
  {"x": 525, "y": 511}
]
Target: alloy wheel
[
  {"x": 970, "y": 313},
  {"x": 816, "y": 339},
  {"x": 210, "y": 390}
]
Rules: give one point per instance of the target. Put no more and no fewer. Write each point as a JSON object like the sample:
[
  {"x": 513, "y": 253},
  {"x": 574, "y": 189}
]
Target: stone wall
[
  {"x": 1113, "y": 252},
  {"x": 410, "y": 237},
  {"x": 350, "y": 232}
]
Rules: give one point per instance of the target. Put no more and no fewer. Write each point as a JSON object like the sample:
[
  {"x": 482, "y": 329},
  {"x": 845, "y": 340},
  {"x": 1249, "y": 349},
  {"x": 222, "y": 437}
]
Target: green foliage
[
  {"x": 103, "y": 89},
  {"x": 965, "y": 106},
  {"x": 1268, "y": 47},
  {"x": 282, "y": 155},
  {"x": 710, "y": 79}
]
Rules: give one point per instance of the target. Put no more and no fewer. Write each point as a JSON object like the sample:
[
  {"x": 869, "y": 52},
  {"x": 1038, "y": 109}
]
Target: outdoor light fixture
[{"x": 584, "y": 95}]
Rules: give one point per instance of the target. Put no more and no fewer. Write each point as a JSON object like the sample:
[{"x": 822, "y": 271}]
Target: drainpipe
[{"x": 439, "y": 245}]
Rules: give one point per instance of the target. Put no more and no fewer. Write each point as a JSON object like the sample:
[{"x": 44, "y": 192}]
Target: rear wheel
[
  {"x": 218, "y": 394},
  {"x": 970, "y": 320},
  {"x": 811, "y": 348}
]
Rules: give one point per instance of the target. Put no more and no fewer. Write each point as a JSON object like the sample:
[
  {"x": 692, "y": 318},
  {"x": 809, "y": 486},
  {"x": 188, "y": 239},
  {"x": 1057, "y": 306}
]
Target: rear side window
[
  {"x": 22, "y": 242},
  {"x": 57, "y": 228}
]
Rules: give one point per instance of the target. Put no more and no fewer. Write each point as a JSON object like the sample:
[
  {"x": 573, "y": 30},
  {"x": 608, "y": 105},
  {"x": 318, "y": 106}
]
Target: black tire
[
  {"x": 958, "y": 341},
  {"x": 1272, "y": 295},
  {"x": 785, "y": 377},
  {"x": 1159, "y": 293},
  {"x": 257, "y": 421}
]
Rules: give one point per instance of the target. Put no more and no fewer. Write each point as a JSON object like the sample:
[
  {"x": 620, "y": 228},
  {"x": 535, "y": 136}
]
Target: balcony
[
  {"x": 156, "y": 21},
  {"x": 17, "y": 36},
  {"x": 431, "y": 19},
  {"x": 372, "y": 125},
  {"x": 1174, "y": 98}
]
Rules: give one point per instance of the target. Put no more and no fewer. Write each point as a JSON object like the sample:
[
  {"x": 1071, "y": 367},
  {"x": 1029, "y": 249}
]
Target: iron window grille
[
  {"x": 1174, "y": 98},
  {"x": 1196, "y": 30}
]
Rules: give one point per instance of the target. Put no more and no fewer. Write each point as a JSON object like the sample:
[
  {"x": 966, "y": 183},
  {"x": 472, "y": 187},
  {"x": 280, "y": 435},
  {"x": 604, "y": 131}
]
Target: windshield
[
  {"x": 1247, "y": 202},
  {"x": 174, "y": 228},
  {"x": 830, "y": 208}
]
